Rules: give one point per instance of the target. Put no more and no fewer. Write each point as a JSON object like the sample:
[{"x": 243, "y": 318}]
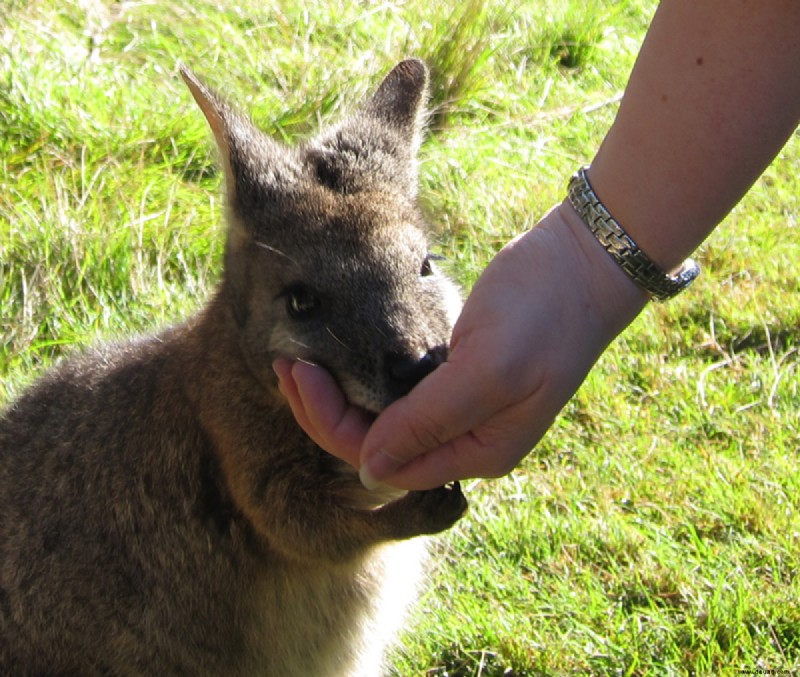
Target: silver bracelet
[{"x": 658, "y": 284}]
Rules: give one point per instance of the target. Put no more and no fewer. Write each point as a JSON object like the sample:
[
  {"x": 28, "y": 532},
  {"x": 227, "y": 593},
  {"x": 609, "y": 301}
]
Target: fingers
[
  {"x": 492, "y": 449},
  {"x": 288, "y": 388},
  {"x": 321, "y": 409},
  {"x": 433, "y": 422},
  {"x": 453, "y": 452}
]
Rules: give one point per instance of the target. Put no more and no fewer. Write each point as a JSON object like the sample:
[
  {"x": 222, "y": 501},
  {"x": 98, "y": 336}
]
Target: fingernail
[{"x": 376, "y": 468}]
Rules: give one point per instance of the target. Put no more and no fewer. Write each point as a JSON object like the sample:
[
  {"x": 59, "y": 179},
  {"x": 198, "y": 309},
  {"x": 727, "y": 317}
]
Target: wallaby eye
[
  {"x": 427, "y": 268},
  {"x": 301, "y": 302}
]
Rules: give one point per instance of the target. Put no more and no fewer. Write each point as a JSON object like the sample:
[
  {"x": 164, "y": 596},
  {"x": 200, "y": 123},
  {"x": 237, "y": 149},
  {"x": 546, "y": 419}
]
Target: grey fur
[{"x": 160, "y": 510}]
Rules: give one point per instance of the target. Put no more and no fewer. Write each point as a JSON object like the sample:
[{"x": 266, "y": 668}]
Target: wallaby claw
[{"x": 441, "y": 507}]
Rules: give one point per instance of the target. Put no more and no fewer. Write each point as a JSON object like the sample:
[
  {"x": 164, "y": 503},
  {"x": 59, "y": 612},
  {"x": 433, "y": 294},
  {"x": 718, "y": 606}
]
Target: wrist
[{"x": 611, "y": 293}]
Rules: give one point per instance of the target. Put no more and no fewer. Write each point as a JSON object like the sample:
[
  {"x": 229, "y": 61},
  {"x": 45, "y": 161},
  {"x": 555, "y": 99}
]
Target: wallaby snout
[{"x": 403, "y": 371}]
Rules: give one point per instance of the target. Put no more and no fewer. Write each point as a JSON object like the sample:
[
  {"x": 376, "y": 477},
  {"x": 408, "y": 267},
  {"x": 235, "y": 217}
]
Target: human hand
[{"x": 534, "y": 324}]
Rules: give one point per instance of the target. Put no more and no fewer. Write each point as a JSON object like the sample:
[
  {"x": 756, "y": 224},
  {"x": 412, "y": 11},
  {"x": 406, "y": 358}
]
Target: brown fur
[{"x": 160, "y": 510}]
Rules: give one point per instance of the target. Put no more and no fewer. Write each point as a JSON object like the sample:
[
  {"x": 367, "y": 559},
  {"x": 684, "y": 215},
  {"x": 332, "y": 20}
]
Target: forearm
[{"x": 714, "y": 95}]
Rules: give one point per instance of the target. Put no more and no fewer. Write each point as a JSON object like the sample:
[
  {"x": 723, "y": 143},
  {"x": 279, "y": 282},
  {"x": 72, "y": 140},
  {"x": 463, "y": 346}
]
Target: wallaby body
[{"x": 160, "y": 510}]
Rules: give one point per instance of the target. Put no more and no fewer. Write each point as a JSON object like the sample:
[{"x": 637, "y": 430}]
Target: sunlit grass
[{"x": 654, "y": 530}]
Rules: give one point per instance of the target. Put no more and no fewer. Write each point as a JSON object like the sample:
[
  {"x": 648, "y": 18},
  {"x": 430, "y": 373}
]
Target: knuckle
[
  {"x": 427, "y": 432},
  {"x": 496, "y": 455}
]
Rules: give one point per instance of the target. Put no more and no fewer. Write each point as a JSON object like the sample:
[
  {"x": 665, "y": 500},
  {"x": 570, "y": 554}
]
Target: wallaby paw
[{"x": 434, "y": 510}]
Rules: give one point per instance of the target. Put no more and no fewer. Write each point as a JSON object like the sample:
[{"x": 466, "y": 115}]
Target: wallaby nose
[{"x": 404, "y": 370}]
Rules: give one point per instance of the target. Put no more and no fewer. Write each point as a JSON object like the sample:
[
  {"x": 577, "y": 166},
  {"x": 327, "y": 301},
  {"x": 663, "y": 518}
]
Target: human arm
[{"x": 714, "y": 95}]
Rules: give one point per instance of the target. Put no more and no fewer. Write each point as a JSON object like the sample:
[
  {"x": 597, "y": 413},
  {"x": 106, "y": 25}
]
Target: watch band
[{"x": 609, "y": 233}]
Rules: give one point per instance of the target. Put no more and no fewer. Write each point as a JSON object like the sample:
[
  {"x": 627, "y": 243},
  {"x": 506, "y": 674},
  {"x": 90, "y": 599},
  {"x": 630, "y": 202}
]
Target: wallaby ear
[
  {"x": 208, "y": 101},
  {"x": 378, "y": 144},
  {"x": 250, "y": 159},
  {"x": 401, "y": 98},
  {"x": 218, "y": 114},
  {"x": 213, "y": 108}
]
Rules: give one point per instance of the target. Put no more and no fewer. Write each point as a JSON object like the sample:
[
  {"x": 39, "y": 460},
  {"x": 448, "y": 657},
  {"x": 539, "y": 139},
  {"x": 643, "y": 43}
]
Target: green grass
[{"x": 654, "y": 531}]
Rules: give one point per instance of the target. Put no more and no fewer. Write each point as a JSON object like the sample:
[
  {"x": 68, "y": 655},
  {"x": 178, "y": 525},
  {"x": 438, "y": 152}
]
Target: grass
[{"x": 655, "y": 529}]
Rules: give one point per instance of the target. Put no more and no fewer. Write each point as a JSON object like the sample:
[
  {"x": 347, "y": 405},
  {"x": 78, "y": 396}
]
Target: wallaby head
[{"x": 327, "y": 256}]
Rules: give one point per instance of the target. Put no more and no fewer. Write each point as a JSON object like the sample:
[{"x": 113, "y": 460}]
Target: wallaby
[{"x": 161, "y": 512}]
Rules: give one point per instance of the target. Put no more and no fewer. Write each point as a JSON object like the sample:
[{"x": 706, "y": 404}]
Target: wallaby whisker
[
  {"x": 269, "y": 248},
  {"x": 338, "y": 340}
]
